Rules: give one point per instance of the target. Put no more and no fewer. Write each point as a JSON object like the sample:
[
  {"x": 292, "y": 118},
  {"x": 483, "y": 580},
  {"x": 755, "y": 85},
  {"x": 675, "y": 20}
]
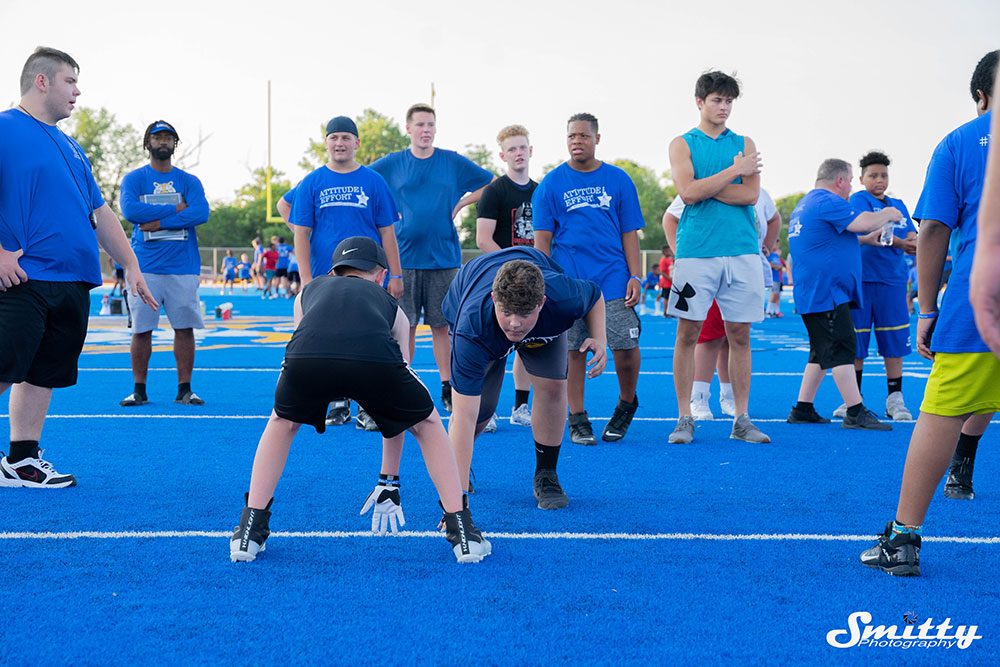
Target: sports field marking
[{"x": 679, "y": 537}]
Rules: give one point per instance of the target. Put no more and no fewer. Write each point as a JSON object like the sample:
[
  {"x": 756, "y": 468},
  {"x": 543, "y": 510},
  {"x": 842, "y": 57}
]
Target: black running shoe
[
  {"x": 810, "y": 416},
  {"x": 865, "y": 420},
  {"x": 580, "y": 430},
  {"x": 958, "y": 486},
  {"x": 548, "y": 492},
  {"x": 340, "y": 412},
  {"x": 467, "y": 543},
  {"x": 364, "y": 421},
  {"x": 618, "y": 425},
  {"x": 899, "y": 555},
  {"x": 249, "y": 537}
]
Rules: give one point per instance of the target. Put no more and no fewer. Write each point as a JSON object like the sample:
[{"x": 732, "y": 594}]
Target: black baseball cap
[
  {"x": 341, "y": 124},
  {"x": 359, "y": 252}
]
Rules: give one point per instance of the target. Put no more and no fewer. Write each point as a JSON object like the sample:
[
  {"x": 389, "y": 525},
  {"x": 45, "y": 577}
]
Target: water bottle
[{"x": 885, "y": 238}]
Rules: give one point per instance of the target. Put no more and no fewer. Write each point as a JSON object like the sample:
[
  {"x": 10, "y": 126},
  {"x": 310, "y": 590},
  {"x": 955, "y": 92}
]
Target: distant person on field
[
  {"x": 228, "y": 271},
  {"x": 431, "y": 186},
  {"x": 165, "y": 204},
  {"x": 503, "y": 220}
]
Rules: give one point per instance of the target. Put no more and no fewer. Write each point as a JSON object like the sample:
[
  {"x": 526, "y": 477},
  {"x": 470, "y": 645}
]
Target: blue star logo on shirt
[
  {"x": 363, "y": 199},
  {"x": 604, "y": 200}
]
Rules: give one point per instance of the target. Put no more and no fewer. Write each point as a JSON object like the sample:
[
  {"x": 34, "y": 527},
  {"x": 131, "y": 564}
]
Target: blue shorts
[{"x": 885, "y": 308}]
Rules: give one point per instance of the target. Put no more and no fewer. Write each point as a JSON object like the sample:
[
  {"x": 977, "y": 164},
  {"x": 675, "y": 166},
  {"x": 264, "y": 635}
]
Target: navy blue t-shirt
[
  {"x": 952, "y": 189},
  {"x": 827, "y": 257},
  {"x": 42, "y": 211},
  {"x": 476, "y": 337}
]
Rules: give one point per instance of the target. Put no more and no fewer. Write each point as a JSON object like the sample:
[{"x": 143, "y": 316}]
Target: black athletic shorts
[
  {"x": 120, "y": 274},
  {"x": 280, "y": 273},
  {"x": 42, "y": 328},
  {"x": 294, "y": 277},
  {"x": 390, "y": 393},
  {"x": 831, "y": 337},
  {"x": 545, "y": 361}
]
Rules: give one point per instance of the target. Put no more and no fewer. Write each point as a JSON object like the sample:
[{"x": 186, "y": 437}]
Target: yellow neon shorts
[{"x": 963, "y": 383}]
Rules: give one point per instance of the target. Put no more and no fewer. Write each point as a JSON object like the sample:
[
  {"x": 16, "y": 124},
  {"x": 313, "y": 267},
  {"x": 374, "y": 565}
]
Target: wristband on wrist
[
  {"x": 392, "y": 276},
  {"x": 928, "y": 316},
  {"x": 636, "y": 278}
]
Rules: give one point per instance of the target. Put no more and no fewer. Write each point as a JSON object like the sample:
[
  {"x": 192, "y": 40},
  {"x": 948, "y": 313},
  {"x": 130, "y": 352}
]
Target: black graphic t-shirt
[{"x": 509, "y": 204}]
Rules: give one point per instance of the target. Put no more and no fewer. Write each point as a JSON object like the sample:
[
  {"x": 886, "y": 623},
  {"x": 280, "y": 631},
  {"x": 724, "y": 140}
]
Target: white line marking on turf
[{"x": 339, "y": 534}]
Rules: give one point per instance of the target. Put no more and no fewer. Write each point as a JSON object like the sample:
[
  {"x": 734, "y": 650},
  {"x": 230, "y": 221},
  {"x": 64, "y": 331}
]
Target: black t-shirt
[
  {"x": 509, "y": 204},
  {"x": 345, "y": 317}
]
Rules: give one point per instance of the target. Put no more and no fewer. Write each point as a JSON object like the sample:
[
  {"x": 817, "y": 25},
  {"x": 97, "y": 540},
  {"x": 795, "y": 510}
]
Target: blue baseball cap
[
  {"x": 341, "y": 124},
  {"x": 163, "y": 126}
]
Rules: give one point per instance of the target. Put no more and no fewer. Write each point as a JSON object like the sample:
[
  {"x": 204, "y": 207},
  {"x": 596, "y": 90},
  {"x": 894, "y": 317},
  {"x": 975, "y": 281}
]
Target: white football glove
[{"x": 388, "y": 514}]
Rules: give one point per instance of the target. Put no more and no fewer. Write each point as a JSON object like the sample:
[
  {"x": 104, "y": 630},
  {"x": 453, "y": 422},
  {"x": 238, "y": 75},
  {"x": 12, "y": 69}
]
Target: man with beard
[{"x": 164, "y": 205}]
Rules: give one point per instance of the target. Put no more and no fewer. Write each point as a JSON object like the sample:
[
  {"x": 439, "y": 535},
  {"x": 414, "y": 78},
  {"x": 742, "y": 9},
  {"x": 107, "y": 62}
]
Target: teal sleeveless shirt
[{"x": 711, "y": 228}]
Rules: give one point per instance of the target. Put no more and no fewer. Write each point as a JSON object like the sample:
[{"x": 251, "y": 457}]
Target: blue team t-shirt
[
  {"x": 587, "y": 212},
  {"x": 337, "y": 206},
  {"x": 426, "y": 191},
  {"x": 42, "y": 210},
  {"x": 881, "y": 264},
  {"x": 244, "y": 269},
  {"x": 476, "y": 337},
  {"x": 652, "y": 280},
  {"x": 952, "y": 189},
  {"x": 163, "y": 252},
  {"x": 284, "y": 252},
  {"x": 710, "y": 228},
  {"x": 827, "y": 256},
  {"x": 774, "y": 258},
  {"x": 229, "y": 265}
]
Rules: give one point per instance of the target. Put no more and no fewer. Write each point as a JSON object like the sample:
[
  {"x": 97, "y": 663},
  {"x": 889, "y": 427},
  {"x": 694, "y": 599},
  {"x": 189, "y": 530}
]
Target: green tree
[
  {"x": 655, "y": 194},
  {"x": 113, "y": 148},
  {"x": 237, "y": 223},
  {"x": 379, "y": 135},
  {"x": 785, "y": 207},
  {"x": 482, "y": 156}
]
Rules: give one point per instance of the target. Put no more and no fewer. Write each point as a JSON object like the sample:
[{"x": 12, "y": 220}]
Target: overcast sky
[{"x": 819, "y": 79}]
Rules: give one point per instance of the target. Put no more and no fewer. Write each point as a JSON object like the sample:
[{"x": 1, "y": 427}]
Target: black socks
[
  {"x": 545, "y": 457},
  {"x": 806, "y": 406},
  {"x": 520, "y": 397},
  {"x": 855, "y": 410},
  {"x": 894, "y": 384},
  {"x": 858, "y": 374},
  {"x": 140, "y": 390},
  {"x": 966, "y": 449},
  {"x": 22, "y": 449}
]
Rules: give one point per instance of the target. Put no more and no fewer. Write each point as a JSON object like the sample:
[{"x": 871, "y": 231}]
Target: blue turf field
[{"x": 719, "y": 550}]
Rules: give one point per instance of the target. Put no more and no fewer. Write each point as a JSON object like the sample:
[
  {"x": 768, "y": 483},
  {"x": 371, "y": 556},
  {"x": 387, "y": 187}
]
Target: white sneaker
[
  {"x": 521, "y": 416},
  {"x": 642, "y": 309},
  {"x": 491, "y": 426},
  {"x": 895, "y": 409},
  {"x": 840, "y": 412},
  {"x": 699, "y": 406},
  {"x": 33, "y": 473},
  {"x": 727, "y": 406}
]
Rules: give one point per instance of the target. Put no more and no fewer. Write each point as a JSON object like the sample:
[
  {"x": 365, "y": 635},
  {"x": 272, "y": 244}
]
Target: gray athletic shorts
[
  {"x": 423, "y": 291},
  {"x": 623, "y": 327},
  {"x": 735, "y": 282},
  {"x": 178, "y": 298},
  {"x": 545, "y": 361}
]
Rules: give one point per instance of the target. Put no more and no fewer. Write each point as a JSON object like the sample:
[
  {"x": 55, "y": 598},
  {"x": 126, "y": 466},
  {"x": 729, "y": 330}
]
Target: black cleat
[
  {"x": 340, "y": 413},
  {"x": 958, "y": 486},
  {"x": 466, "y": 541},
  {"x": 364, "y": 421},
  {"x": 865, "y": 420},
  {"x": 249, "y": 537},
  {"x": 810, "y": 416},
  {"x": 618, "y": 425},
  {"x": 548, "y": 492},
  {"x": 580, "y": 430},
  {"x": 899, "y": 555}
]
